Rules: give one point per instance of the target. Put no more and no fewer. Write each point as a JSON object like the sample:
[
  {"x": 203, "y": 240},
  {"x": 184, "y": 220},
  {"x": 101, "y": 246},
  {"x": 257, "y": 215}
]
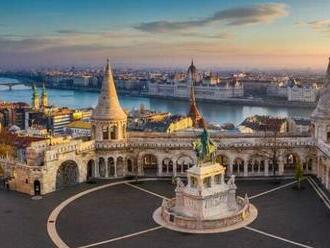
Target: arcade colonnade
[{"x": 151, "y": 163}]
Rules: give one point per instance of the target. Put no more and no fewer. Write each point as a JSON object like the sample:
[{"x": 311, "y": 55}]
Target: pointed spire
[
  {"x": 108, "y": 107},
  {"x": 193, "y": 111},
  {"x": 44, "y": 93}
]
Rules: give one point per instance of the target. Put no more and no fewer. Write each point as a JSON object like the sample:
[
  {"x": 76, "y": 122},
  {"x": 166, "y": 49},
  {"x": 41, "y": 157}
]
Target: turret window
[
  {"x": 113, "y": 132},
  {"x": 105, "y": 133}
]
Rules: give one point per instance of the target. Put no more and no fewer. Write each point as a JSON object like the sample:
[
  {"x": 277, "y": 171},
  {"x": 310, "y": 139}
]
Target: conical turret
[
  {"x": 108, "y": 107},
  {"x": 109, "y": 121}
]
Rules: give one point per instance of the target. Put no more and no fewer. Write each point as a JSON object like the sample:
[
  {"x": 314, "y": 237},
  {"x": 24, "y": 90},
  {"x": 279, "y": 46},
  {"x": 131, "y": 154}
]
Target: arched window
[
  {"x": 113, "y": 132},
  {"x": 328, "y": 136},
  {"x": 105, "y": 131}
]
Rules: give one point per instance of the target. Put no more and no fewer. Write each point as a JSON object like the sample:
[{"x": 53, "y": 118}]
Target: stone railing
[
  {"x": 324, "y": 147},
  {"x": 10, "y": 162},
  {"x": 190, "y": 223}
]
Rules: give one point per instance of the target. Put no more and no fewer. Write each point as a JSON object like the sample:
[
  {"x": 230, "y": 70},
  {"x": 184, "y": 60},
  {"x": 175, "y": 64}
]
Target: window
[
  {"x": 105, "y": 131},
  {"x": 207, "y": 182},
  {"x": 193, "y": 182},
  {"x": 217, "y": 179},
  {"x": 113, "y": 132}
]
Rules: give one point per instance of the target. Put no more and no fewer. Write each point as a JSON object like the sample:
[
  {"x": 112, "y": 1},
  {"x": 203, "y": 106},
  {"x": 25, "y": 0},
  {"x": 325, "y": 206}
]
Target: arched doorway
[
  {"x": 150, "y": 164},
  {"x": 129, "y": 163},
  {"x": 111, "y": 167},
  {"x": 238, "y": 166},
  {"x": 67, "y": 174},
  {"x": 167, "y": 166},
  {"x": 90, "y": 169},
  {"x": 102, "y": 169},
  {"x": 37, "y": 187},
  {"x": 120, "y": 166},
  {"x": 291, "y": 160}
]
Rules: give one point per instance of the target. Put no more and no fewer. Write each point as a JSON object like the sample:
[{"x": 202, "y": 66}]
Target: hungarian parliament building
[
  {"x": 211, "y": 88},
  {"x": 47, "y": 165}
]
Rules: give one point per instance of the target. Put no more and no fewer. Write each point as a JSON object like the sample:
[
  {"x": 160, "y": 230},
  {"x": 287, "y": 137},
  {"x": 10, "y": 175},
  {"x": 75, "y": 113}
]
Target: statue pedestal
[
  {"x": 207, "y": 203},
  {"x": 207, "y": 195}
]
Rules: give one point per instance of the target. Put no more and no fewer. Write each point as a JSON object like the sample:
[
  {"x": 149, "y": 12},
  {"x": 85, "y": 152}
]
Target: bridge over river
[{"x": 10, "y": 85}]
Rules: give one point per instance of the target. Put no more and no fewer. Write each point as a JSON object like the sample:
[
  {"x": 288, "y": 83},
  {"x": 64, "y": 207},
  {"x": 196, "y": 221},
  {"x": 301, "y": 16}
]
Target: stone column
[
  {"x": 115, "y": 164},
  {"x": 230, "y": 168},
  {"x": 280, "y": 166},
  {"x": 160, "y": 167},
  {"x": 96, "y": 168},
  {"x": 246, "y": 167},
  {"x": 266, "y": 167},
  {"x": 107, "y": 167}
]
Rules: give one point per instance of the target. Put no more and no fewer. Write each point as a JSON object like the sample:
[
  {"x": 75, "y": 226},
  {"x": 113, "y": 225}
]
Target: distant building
[
  {"x": 293, "y": 91},
  {"x": 79, "y": 129},
  {"x": 260, "y": 123},
  {"x": 207, "y": 89},
  {"x": 13, "y": 114}
]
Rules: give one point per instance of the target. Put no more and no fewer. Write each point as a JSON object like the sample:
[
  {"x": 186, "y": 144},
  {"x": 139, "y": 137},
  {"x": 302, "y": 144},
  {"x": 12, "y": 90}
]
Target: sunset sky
[{"x": 216, "y": 33}]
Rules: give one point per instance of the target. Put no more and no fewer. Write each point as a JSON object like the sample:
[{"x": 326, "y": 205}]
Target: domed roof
[{"x": 108, "y": 107}]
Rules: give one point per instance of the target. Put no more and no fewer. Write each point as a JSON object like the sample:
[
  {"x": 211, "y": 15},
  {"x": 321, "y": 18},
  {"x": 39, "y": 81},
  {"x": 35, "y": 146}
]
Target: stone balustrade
[{"x": 192, "y": 224}]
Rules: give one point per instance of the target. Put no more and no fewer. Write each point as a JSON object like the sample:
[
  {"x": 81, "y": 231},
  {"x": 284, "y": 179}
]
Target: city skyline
[{"x": 243, "y": 34}]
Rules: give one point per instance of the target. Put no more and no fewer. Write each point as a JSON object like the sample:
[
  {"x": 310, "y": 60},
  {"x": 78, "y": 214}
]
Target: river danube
[{"x": 213, "y": 112}]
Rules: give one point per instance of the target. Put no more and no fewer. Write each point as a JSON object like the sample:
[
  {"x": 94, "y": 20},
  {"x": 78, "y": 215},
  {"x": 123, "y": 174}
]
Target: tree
[
  {"x": 299, "y": 174},
  {"x": 271, "y": 127}
]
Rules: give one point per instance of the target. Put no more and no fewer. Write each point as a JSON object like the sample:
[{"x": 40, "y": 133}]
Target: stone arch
[
  {"x": 183, "y": 163},
  {"x": 90, "y": 169},
  {"x": 120, "y": 166},
  {"x": 238, "y": 166},
  {"x": 67, "y": 174},
  {"x": 111, "y": 167},
  {"x": 256, "y": 165},
  {"x": 149, "y": 164},
  {"x": 102, "y": 167},
  {"x": 167, "y": 166},
  {"x": 291, "y": 159},
  {"x": 130, "y": 165},
  {"x": 309, "y": 162},
  {"x": 37, "y": 187}
]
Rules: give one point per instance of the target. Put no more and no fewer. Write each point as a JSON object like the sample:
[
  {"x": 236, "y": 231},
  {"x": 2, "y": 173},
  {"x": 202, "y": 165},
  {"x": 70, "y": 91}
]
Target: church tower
[
  {"x": 321, "y": 115},
  {"x": 44, "y": 97},
  {"x": 193, "y": 110},
  {"x": 109, "y": 121},
  {"x": 35, "y": 98}
]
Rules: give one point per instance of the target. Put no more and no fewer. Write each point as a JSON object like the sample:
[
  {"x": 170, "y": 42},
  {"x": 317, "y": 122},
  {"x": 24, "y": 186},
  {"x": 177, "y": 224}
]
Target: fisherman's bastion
[{"x": 113, "y": 152}]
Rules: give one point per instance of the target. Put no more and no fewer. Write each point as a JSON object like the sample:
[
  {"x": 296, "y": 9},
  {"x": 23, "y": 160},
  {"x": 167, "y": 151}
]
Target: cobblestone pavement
[{"x": 121, "y": 216}]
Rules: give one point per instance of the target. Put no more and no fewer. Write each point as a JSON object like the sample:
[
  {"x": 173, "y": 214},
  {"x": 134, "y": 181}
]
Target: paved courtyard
[{"x": 121, "y": 216}]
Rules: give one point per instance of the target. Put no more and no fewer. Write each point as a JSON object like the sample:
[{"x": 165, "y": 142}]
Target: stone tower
[
  {"x": 109, "y": 121},
  {"x": 35, "y": 98},
  {"x": 193, "y": 110},
  {"x": 321, "y": 115},
  {"x": 44, "y": 97}
]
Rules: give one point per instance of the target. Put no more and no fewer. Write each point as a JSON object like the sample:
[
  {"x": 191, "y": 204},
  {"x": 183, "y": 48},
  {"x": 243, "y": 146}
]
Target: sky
[{"x": 215, "y": 33}]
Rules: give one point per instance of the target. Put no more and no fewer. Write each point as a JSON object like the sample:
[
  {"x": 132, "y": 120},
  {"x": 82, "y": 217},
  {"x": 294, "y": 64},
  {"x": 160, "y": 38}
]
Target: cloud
[
  {"x": 262, "y": 13},
  {"x": 322, "y": 26}
]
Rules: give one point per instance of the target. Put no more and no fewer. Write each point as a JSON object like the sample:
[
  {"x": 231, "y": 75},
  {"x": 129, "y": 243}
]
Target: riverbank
[{"x": 229, "y": 101}]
